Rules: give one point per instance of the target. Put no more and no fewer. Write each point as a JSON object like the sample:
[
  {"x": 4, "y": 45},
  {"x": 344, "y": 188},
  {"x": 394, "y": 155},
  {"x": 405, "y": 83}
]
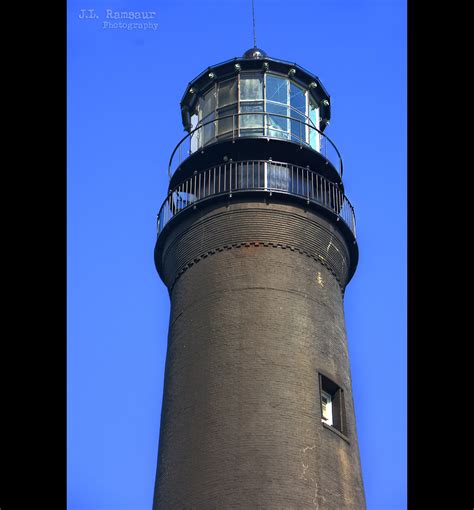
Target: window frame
[{"x": 329, "y": 387}]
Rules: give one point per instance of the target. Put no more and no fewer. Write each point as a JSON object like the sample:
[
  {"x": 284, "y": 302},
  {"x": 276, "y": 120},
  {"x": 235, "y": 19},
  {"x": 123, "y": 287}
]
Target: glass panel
[
  {"x": 226, "y": 126},
  {"x": 251, "y": 86},
  {"x": 297, "y": 98},
  {"x": 227, "y": 92},
  {"x": 277, "y": 89},
  {"x": 209, "y": 131},
  {"x": 195, "y": 136},
  {"x": 326, "y": 407},
  {"x": 314, "y": 140},
  {"x": 251, "y": 124},
  {"x": 298, "y": 127},
  {"x": 277, "y": 126},
  {"x": 208, "y": 103}
]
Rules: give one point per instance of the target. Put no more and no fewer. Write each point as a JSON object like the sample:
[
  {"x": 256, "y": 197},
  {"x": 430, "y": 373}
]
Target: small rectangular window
[{"x": 333, "y": 411}]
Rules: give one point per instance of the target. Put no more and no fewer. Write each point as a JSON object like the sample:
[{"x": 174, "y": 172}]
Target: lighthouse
[{"x": 256, "y": 244}]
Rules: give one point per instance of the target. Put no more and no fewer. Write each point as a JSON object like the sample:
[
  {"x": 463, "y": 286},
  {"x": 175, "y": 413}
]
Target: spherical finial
[{"x": 255, "y": 53}]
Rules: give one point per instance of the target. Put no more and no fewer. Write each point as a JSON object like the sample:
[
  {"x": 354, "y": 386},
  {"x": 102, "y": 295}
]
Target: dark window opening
[{"x": 333, "y": 411}]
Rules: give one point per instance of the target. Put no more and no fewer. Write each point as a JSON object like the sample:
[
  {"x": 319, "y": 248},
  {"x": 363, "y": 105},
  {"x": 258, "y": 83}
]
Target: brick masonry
[{"x": 256, "y": 314}]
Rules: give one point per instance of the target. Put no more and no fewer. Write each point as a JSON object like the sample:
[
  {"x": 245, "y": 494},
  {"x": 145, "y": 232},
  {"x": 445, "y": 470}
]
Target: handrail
[
  {"x": 257, "y": 175},
  {"x": 265, "y": 127}
]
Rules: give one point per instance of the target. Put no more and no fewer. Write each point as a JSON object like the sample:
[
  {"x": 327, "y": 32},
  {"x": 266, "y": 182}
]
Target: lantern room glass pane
[
  {"x": 251, "y": 125},
  {"x": 208, "y": 103},
  {"x": 298, "y": 112},
  {"x": 226, "y": 126},
  {"x": 227, "y": 92},
  {"x": 196, "y": 135},
  {"x": 314, "y": 137},
  {"x": 277, "y": 126},
  {"x": 297, "y": 98},
  {"x": 209, "y": 130},
  {"x": 277, "y": 89},
  {"x": 298, "y": 127},
  {"x": 251, "y": 86}
]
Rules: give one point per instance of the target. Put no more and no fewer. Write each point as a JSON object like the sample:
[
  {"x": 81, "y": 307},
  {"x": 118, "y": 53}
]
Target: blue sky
[{"x": 124, "y": 89}]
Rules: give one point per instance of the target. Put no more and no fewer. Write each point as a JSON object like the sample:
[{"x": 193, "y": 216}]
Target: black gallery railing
[
  {"x": 271, "y": 176},
  {"x": 294, "y": 128}
]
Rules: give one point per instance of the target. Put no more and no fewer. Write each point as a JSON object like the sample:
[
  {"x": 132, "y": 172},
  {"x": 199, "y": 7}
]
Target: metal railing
[
  {"x": 240, "y": 125},
  {"x": 271, "y": 176}
]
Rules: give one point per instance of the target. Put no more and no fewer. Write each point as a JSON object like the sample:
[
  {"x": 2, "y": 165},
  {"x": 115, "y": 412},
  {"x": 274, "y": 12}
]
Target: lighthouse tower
[{"x": 256, "y": 244}]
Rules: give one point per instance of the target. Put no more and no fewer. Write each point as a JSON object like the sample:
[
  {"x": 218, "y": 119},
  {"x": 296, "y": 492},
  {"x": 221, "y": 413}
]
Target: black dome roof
[{"x": 254, "y": 53}]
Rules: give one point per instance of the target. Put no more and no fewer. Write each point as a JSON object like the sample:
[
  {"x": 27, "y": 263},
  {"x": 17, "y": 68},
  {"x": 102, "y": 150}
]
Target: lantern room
[{"x": 256, "y": 97}]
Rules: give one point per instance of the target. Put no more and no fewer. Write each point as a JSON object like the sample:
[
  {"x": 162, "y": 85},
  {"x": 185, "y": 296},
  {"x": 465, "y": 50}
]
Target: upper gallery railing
[
  {"x": 245, "y": 176},
  {"x": 257, "y": 125}
]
